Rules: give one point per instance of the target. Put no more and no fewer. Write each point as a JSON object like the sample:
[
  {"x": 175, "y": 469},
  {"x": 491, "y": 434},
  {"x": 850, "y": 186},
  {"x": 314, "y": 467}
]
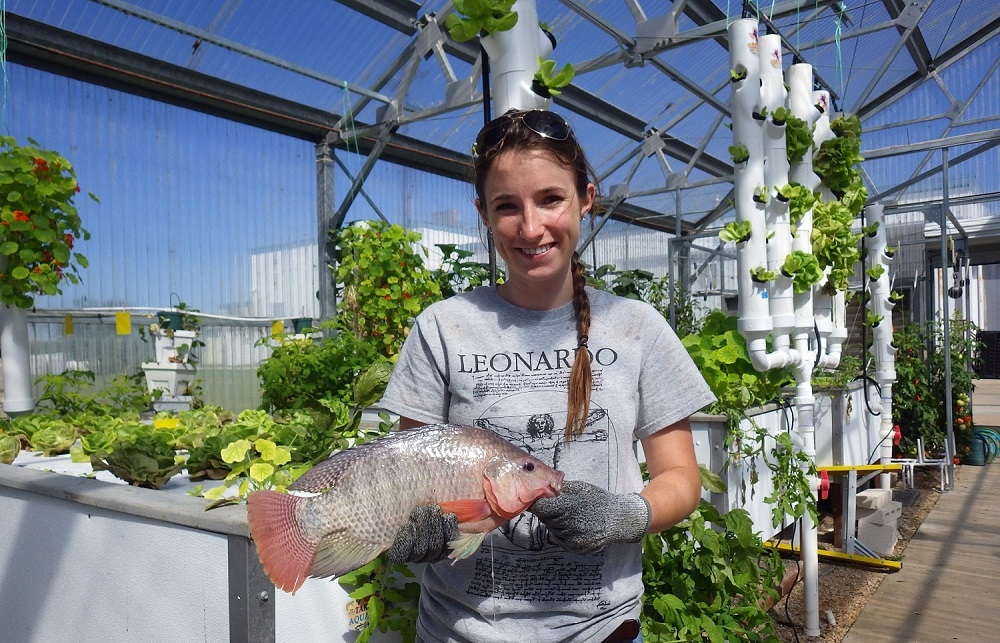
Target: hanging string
[
  {"x": 840, "y": 54},
  {"x": 349, "y": 127},
  {"x": 3, "y": 67},
  {"x": 770, "y": 15},
  {"x": 798, "y": 26}
]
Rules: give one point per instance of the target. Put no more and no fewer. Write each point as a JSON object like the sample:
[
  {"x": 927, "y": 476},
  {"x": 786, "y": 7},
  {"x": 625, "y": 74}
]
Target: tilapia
[{"x": 345, "y": 511}]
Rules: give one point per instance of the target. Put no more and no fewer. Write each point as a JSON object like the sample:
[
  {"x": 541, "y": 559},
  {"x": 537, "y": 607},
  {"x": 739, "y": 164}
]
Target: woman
[{"x": 503, "y": 357}]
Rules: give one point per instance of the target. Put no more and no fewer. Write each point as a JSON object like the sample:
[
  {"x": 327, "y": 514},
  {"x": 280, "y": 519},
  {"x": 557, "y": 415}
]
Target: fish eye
[{"x": 529, "y": 466}]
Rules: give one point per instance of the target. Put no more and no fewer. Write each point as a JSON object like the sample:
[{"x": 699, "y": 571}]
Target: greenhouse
[{"x": 664, "y": 321}]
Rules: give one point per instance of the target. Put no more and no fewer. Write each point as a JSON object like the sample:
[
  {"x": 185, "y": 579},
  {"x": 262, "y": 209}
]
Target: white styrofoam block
[
  {"x": 879, "y": 538},
  {"x": 873, "y": 498},
  {"x": 887, "y": 515}
]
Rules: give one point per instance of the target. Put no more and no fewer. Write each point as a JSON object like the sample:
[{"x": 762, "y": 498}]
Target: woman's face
[{"x": 531, "y": 204}]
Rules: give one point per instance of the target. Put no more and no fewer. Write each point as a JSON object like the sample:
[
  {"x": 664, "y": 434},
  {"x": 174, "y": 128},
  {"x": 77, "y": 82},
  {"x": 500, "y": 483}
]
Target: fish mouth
[{"x": 556, "y": 486}]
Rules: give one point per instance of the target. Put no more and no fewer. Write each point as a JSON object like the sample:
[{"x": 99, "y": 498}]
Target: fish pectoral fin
[
  {"x": 467, "y": 510},
  {"x": 502, "y": 501},
  {"x": 338, "y": 553},
  {"x": 465, "y": 545}
]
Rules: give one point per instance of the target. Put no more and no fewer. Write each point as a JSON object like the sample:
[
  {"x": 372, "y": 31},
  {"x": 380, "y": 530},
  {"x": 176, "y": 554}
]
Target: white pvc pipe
[
  {"x": 754, "y": 315},
  {"x": 513, "y": 56},
  {"x": 772, "y": 96},
  {"x": 882, "y": 348},
  {"x": 18, "y": 396},
  {"x": 830, "y": 317},
  {"x": 800, "y": 104}
]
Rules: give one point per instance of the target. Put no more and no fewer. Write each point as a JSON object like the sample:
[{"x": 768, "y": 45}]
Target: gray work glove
[
  {"x": 584, "y": 518},
  {"x": 424, "y": 537}
]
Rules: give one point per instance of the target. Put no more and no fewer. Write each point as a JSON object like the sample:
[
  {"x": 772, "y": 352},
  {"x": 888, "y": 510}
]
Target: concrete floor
[
  {"x": 986, "y": 402},
  {"x": 947, "y": 589}
]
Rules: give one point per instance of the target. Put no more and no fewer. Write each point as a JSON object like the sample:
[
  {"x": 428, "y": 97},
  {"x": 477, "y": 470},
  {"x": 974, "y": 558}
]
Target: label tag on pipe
[
  {"x": 68, "y": 325},
  {"x": 123, "y": 323}
]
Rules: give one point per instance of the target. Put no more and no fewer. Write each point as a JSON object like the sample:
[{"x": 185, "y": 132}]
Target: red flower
[
  {"x": 407, "y": 295},
  {"x": 77, "y": 188},
  {"x": 37, "y": 270},
  {"x": 21, "y": 216},
  {"x": 69, "y": 240},
  {"x": 41, "y": 165},
  {"x": 388, "y": 296}
]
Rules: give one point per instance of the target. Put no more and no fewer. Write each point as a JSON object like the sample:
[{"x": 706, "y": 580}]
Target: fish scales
[
  {"x": 380, "y": 482},
  {"x": 358, "y": 499}
]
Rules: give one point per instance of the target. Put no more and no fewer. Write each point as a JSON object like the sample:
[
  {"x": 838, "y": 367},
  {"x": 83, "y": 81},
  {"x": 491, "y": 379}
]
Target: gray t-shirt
[{"x": 476, "y": 359}]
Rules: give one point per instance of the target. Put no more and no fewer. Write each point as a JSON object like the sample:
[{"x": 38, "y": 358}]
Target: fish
[{"x": 345, "y": 511}]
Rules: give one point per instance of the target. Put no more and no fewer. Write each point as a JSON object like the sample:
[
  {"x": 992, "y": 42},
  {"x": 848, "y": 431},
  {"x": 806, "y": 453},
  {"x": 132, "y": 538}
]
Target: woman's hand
[
  {"x": 424, "y": 537},
  {"x": 584, "y": 518}
]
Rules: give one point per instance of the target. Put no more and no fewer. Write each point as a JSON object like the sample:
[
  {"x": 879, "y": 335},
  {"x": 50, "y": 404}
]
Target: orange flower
[{"x": 21, "y": 216}]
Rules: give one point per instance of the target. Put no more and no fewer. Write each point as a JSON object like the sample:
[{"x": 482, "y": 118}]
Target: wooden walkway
[{"x": 947, "y": 589}]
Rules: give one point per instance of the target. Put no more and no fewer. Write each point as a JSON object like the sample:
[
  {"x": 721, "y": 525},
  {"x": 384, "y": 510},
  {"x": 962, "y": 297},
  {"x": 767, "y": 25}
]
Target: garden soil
[{"x": 844, "y": 588}]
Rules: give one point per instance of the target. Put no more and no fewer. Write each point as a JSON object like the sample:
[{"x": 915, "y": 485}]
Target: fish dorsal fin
[{"x": 338, "y": 553}]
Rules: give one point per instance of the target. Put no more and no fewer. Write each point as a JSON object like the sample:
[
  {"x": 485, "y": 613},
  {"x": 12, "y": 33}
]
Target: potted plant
[
  {"x": 39, "y": 223},
  {"x": 175, "y": 336}
]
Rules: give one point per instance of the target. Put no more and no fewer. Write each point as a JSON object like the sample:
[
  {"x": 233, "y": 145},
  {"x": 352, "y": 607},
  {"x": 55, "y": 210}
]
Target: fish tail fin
[
  {"x": 283, "y": 550},
  {"x": 465, "y": 545}
]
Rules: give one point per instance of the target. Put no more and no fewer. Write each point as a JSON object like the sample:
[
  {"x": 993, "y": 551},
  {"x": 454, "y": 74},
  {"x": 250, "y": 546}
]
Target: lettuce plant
[
  {"x": 736, "y": 232},
  {"x": 798, "y": 138},
  {"x": 479, "y": 17},
  {"x": 804, "y": 270}
]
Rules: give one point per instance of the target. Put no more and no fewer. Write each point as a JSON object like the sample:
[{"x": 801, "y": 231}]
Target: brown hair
[{"x": 519, "y": 137}]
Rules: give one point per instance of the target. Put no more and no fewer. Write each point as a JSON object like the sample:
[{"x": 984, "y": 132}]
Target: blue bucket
[{"x": 978, "y": 449}]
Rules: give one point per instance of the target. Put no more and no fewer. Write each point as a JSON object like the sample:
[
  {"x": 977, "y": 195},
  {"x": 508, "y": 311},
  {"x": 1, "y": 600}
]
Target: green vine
[
  {"x": 707, "y": 578},
  {"x": 384, "y": 283}
]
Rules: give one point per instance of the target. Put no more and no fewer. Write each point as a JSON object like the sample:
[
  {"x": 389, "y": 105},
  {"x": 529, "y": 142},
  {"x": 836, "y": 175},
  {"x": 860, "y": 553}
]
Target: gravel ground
[{"x": 845, "y": 588}]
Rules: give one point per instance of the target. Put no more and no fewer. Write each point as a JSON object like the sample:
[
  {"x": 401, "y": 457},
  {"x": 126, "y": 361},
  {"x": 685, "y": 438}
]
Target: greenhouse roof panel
[{"x": 639, "y": 65}]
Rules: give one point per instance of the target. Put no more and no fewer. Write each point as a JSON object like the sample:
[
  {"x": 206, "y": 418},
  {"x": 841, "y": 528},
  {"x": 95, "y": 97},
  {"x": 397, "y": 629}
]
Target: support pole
[{"x": 949, "y": 443}]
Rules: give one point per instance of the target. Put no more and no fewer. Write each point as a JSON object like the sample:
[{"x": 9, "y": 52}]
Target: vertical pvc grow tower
[
  {"x": 882, "y": 348},
  {"x": 768, "y": 307},
  {"x": 513, "y": 57}
]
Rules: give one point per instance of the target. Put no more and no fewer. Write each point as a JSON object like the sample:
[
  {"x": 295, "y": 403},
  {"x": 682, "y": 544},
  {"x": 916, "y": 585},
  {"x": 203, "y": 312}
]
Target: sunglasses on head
[{"x": 540, "y": 121}]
